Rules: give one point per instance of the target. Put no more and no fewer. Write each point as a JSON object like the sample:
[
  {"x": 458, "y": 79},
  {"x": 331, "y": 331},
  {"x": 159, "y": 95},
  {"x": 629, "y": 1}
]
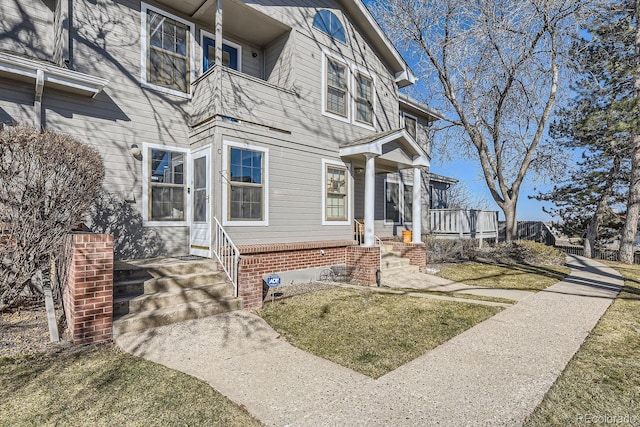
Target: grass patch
[
  {"x": 370, "y": 332},
  {"x": 102, "y": 386},
  {"x": 458, "y": 295},
  {"x": 602, "y": 378},
  {"x": 505, "y": 276}
]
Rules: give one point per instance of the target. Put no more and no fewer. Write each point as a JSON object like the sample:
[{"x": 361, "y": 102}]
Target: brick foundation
[
  {"x": 88, "y": 290},
  {"x": 416, "y": 252},
  {"x": 258, "y": 260}
]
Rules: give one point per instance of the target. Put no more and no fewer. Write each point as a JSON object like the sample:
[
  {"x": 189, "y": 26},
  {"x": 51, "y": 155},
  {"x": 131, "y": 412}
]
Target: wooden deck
[{"x": 463, "y": 224}]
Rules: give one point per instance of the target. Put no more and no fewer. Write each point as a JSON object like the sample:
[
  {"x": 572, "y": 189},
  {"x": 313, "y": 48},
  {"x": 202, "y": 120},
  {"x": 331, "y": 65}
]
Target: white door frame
[{"x": 200, "y": 232}]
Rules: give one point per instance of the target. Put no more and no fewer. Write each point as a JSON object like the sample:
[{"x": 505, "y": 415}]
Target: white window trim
[
  {"x": 354, "y": 72},
  {"x": 205, "y": 33},
  {"x": 325, "y": 56},
  {"x": 143, "y": 51},
  {"x": 146, "y": 146},
  {"x": 411, "y": 116},
  {"x": 323, "y": 187},
  {"x": 225, "y": 185}
]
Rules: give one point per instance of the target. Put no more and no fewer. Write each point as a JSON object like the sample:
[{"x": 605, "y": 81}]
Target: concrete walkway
[
  {"x": 495, "y": 373},
  {"x": 429, "y": 282}
]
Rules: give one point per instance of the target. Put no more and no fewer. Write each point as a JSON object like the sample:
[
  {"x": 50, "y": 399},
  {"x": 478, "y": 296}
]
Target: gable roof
[
  {"x": 373, "y": 143},
  {"x": 362, "y": 16}
]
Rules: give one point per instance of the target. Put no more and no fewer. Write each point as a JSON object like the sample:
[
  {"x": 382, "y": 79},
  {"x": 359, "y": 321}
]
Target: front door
[{"x": 200, "y": 187}]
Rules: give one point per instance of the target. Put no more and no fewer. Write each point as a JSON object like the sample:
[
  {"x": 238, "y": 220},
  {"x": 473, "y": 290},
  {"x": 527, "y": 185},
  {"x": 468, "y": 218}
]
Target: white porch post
[
  {"x": 416, "y": 219},
  {"x": 218, "y": 49},
  {"x": 369, "y": 200}
]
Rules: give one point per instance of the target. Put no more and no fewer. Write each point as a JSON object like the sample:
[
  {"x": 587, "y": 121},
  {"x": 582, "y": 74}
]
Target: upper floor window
[
  {"x": 336, "y": 87},
  {"x": 327, "y": 22},
  {"x": 411, "y": 125},
  {"x": 364, "y": 99},
  {"x": 166, "y": 51},
  {"x": 349, "y": 91}
]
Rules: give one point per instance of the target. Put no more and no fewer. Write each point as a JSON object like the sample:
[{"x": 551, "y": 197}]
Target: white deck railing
[
  {"x": 227, "y": 254},
  {"x": 463, "y": 223}
]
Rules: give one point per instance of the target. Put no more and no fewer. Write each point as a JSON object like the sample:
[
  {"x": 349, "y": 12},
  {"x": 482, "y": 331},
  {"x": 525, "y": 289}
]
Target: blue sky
[{"x": 469, "y": 173}]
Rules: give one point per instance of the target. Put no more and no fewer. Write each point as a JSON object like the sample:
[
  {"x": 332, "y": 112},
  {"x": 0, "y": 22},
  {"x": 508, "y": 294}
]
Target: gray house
[
  {"x": 259, "y": 126},
  {"x": 280, "y": 132}
]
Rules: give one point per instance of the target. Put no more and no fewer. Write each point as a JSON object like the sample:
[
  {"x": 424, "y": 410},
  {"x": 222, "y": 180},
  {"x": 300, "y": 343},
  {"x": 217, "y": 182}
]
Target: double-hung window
[
  {"x": 166, "y": 185},
  {"x": 348, "y": 92},
  {"x": 335, "y": 193},
  {"x": 246, "y": 187},
  {"x": 166, "y": 51},
  {"x": 336, "y": 96},
  {"x": 364, "y": 99},
  {"x": 336, "y": 202}
]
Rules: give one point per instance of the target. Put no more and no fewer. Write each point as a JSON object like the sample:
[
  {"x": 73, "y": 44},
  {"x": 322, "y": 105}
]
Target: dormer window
[{"x": 327, "y": 22}]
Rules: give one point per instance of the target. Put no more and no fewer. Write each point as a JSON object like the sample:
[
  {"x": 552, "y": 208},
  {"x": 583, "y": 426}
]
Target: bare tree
[
  {"x": 494, "y": 67},
  {"x": 48, "y": 181},
  {"x": 460, "y": 197}
]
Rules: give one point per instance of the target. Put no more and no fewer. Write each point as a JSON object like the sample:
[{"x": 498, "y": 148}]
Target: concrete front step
[
  {"x": 393, "y": 262},
  {"x": 168, "y": 283},
  {"x": 177, "y": 313},
  {"x": 133, "y": 303},
  {"x": 159, "y": 267}
]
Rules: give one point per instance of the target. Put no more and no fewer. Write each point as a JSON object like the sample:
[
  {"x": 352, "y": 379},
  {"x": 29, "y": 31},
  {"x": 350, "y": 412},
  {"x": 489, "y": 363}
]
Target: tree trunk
[
  {"x": 633, "y": 203},
  {"x": 590, "y": 238},
  {"x": 511, "y": 232}
]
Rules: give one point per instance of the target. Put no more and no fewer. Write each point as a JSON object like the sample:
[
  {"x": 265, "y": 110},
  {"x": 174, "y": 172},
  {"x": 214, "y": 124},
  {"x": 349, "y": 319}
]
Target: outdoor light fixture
[
  {"x": 135, "y": 150},
  {"x": 359, "y": 171}
]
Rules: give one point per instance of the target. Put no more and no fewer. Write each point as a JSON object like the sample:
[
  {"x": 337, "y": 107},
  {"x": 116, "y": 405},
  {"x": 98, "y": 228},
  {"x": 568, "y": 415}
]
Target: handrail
[
  {"x": 227, "y": 254},
  {"x": 358, "y": 231}
]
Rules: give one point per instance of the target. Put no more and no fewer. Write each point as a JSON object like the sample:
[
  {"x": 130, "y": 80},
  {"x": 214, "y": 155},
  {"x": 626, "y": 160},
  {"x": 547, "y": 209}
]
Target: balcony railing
[
  {"x": 463, "y": 223},
  {"x": 236, "y": 96}
]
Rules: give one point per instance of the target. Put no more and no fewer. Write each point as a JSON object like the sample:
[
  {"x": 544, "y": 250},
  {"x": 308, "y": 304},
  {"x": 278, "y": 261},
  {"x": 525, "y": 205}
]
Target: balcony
[
  {"x": 223, "y": 92},
  {"x": 463, "y": 224}
]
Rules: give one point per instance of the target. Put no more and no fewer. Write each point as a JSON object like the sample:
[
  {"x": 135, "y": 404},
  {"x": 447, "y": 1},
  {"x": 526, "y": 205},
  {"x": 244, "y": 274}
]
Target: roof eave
[{"x": 402, "y": 72}]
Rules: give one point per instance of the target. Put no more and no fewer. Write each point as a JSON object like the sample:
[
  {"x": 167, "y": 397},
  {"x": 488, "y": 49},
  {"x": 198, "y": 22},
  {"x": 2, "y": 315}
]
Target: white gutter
[{"x": 48, "y": 74}]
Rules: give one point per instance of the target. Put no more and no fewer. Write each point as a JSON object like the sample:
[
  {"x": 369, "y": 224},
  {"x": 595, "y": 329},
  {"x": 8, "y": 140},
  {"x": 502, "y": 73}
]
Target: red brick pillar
[
  {"x": 416, "y": 253},
  {"x": 250, "y": 281},
  {"x": 363, "y": 263},
  {"x": 88, "y": 292}
]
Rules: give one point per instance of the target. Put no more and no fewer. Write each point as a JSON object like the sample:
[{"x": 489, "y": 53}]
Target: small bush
[
  {"x": 49, "y": 180},
  {"x": 449, "y": 250}
]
